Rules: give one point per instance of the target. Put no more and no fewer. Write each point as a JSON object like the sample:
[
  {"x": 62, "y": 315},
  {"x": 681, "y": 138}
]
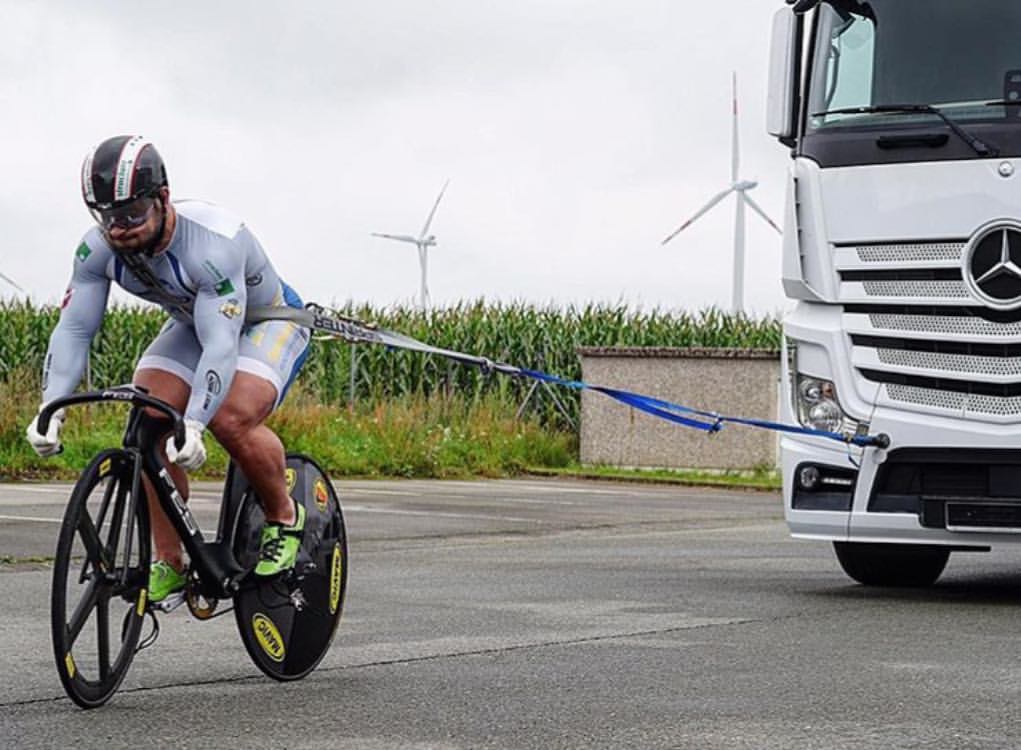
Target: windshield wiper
[{"x": 978, "y": 146}]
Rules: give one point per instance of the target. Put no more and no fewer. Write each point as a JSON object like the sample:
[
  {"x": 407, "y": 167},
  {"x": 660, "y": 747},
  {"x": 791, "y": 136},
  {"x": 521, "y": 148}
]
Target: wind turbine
[
  {"x": 741, "y": 187},
  {"x": 423, "y": 242}
]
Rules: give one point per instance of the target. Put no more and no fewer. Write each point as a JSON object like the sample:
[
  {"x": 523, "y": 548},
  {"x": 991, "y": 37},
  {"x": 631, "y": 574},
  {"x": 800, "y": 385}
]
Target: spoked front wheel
[
  {"x": 288, "y": 622},
  {"x": 100, "y": 577}
]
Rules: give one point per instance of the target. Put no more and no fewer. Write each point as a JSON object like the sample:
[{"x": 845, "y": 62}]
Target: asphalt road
[{"x": 552, "y": 614}]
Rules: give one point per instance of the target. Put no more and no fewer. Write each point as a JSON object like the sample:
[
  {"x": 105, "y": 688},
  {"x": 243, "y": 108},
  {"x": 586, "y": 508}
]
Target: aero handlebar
[{"x": 123, "y": 393}]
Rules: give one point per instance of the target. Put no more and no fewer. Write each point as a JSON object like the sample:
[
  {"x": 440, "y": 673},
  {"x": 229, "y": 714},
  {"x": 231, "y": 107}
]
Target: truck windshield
[{"x": 956, "y": 55}]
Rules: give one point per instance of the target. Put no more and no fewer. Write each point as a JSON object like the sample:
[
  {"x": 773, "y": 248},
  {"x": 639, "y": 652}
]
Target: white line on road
[
  {"x": 40, "y": 488},
  {"x": 34, "y": 519},
  {"x": 361, "y": 491},
  {"x": 546, "y": 489},
  {"x": 530, "y": 501},
  {"x": 396, "y": 512}
]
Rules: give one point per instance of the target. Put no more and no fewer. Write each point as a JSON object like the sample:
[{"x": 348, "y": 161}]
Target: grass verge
[
  {"x": 414, "y": 436},
  {"x": 407, "y": 437}
]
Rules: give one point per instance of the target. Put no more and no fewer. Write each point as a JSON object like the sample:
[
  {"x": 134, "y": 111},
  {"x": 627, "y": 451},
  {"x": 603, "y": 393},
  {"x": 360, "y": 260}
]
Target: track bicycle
[{"x": 101, "y": 568}]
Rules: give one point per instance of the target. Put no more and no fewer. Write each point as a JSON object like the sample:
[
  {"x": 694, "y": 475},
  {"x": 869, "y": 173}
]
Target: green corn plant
[{"x": 533, "y": 336}]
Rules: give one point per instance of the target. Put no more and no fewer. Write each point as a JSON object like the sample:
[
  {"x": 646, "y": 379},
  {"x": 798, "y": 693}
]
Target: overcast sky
[{"x": 576, "y": 134}]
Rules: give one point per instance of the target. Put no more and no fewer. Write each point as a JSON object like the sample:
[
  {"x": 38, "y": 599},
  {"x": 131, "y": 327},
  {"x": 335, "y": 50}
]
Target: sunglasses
[{"x": 128, "y": 216}]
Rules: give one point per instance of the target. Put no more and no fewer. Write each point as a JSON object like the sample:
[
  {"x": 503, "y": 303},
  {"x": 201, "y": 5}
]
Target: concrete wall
[{"x": 733, "y": 382}]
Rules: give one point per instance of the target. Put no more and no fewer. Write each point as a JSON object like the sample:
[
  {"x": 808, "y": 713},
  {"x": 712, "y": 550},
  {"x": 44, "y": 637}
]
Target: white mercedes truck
[{"x": 902, "y": 250}]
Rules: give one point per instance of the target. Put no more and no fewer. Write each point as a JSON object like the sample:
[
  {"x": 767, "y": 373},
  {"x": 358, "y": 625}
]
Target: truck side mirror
[{"x": 783, "y": 56}]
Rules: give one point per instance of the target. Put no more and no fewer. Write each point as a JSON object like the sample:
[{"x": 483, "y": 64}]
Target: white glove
[
  {"x": 49, "y": 444},
  {"x": 193, "y": 453}
]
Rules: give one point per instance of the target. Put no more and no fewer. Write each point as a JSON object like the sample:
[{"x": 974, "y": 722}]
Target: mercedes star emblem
[{"x": 992, "y": 265}]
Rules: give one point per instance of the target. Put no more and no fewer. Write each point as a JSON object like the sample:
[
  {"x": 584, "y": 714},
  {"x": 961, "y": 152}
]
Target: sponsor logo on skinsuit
[
  {"x": 336, "y": 577},
  {"x": 254, "y": 280},
  {"x": 213, "y": 382},
  {"x": 212, "y": 270},
  {"x": 230, "y": 309},
  {"x": 213, "y": 387},
  {"x": 322, "y": 497},
  {"x": 82, "y": 252},
  {"x": 268, "y": 636},
  {"x": 67, "y": 297},
  {"x": 224, "y": 287}
]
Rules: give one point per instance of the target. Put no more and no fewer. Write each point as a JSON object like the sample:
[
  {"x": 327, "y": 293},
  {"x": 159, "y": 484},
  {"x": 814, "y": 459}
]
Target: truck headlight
[
  {"x": 814, "y": 399},
  {"x": 816, "y": 404}
]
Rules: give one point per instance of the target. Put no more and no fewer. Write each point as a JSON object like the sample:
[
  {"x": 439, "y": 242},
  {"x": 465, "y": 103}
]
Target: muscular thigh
[
  {"x": 163, "y": 385},
  {"x": 249, "y": 401}
]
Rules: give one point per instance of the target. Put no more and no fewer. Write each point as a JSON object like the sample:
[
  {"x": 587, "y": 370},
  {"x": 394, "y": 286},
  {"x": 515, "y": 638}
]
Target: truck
[{"x": 902, "y": 255}]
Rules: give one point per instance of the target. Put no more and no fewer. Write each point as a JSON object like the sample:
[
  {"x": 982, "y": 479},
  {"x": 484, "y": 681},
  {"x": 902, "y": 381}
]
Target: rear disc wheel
[{"x": 287, "y": 622}]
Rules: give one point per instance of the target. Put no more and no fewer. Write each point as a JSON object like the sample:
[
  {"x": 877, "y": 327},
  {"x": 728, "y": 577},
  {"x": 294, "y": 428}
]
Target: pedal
[{"x": 169, "y": 604}]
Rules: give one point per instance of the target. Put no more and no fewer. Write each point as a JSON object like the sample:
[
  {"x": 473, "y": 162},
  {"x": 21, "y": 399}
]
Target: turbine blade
[
  {"x": 735, "y": 164},
  {"x": 400, "y": 237},
  {"x": 712, "y": 202},
  {"x": 758, "y": 209},
  {"x": 11, "y": 281},
  {"x": 433, "y": 212}
]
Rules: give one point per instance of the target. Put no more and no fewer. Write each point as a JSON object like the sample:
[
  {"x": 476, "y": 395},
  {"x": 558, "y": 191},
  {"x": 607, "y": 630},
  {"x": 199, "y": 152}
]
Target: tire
[
  {"x": 903, "y": 565},
  {"x": 284, "y": 639},
  {"x": 98, "y": 598}
]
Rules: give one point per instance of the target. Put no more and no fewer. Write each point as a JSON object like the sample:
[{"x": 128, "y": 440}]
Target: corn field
[{"x": 541, "y": 338}]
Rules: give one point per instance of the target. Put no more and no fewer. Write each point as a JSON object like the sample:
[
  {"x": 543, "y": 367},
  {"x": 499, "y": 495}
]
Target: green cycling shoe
[
  {"x": 279, "y": 548},
  {"x": 164, "y": 580}
]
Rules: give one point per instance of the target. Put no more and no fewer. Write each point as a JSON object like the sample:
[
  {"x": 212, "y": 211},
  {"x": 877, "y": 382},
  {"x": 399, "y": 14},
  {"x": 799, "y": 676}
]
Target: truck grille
[
  {"x": 918, "y": 252},
  {"x": 951, "y": 362},
  {"x": 956, "y": 402},
  {"x": 911, "y": 289},
  {"x": 937, "y": 284},
  {"x": 915, "y": 330},
  {"x": 943, "y": 323}
]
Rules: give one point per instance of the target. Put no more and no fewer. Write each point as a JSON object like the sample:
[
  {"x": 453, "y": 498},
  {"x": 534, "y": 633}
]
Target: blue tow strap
[
  {"x": 668, "y": 410},
  {"x": 354, "y": 331}
]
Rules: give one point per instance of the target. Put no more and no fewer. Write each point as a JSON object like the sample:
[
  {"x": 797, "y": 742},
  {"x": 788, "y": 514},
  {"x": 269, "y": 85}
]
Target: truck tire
[{"x": 892, "y": 564}]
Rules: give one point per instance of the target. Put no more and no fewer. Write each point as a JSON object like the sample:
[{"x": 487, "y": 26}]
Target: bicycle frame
[{"x": 214, "y": 562}]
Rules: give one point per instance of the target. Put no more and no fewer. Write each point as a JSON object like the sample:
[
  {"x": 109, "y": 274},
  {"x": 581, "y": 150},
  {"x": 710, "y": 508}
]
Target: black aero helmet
[{"x": 120, "y": 170}]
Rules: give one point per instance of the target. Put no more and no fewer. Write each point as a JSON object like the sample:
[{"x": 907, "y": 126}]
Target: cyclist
[{"x": 204, "y": 267}]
